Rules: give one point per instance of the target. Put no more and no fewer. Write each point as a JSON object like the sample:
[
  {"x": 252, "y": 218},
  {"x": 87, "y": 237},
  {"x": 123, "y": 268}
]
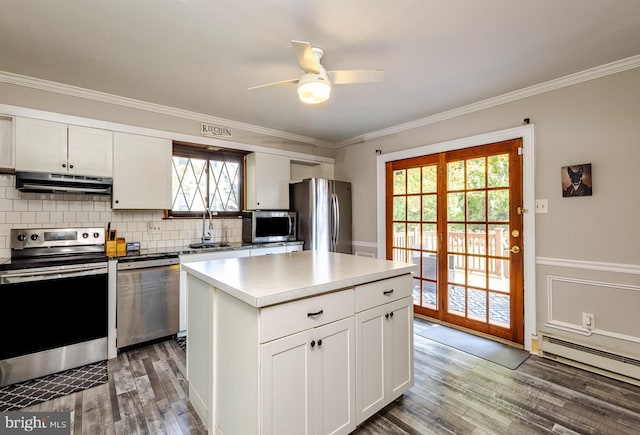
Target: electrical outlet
[
  {"x": 542, "y": 206},
  {"x": 153, "y": 227},
  {"x": 588, "y": 321}
]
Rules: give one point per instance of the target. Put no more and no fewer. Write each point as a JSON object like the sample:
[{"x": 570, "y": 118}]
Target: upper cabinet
[
  {"x": 141, "y": 172},
  {"x": 302, "y": 170},
  {"x": 46, "y": 146},
  {"x": 6, "y": 143},
  {"x": 267, "y": 182}
]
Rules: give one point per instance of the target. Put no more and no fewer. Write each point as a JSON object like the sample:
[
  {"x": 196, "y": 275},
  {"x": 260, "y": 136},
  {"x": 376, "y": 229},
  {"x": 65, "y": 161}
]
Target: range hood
[{"x": 62, "y": 183}]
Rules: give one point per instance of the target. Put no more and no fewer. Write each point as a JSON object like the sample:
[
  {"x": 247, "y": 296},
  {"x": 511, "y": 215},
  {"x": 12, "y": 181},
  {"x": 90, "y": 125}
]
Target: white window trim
[{"x": 525, "y": 132}]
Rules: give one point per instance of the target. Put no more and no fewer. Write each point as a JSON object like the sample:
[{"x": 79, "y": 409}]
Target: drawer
[
  {"x": 291, "y": 317},
  {"x": 380, "y": 292}
]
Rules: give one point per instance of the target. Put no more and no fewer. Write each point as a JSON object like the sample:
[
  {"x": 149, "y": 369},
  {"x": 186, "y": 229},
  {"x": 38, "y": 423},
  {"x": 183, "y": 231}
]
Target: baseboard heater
[{"x": 608, "y": 363}]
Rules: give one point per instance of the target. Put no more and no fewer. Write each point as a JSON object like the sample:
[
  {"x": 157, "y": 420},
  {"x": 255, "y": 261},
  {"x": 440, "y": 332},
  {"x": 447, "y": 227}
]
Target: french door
[{"x": 458, "y": 216}]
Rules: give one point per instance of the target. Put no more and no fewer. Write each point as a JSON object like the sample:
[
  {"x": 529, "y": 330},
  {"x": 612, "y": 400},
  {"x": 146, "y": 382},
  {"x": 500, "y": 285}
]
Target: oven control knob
[
  {"x": 96, "y": 235},
  {"x": 34, "y": 237},
  {"x": 21, "y": 237},
  {"x": 85, "y": 235}
]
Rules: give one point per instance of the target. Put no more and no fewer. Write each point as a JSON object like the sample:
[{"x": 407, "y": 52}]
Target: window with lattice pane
[{"x": 206, "y": 181}]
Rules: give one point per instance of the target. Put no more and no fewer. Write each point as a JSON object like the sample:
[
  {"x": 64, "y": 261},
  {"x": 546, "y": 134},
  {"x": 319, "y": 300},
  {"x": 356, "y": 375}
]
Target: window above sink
[{"x": 206, "y": 180}]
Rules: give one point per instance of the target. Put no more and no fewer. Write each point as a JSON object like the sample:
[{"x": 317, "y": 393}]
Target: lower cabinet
[
  {"x": 384, "y": 343},
  {"x": 384, "y": 337},
  {"x": 192, "y": 258},
  {"x": 315, "y": 365},
  {"x": 308, "y": 381},
  {"x": 294, "y": 248},
  {"x": 268, "y": 250}
]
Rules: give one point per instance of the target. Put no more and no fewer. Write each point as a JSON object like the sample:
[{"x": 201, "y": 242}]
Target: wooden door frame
[{"x": 526, "y": 133}]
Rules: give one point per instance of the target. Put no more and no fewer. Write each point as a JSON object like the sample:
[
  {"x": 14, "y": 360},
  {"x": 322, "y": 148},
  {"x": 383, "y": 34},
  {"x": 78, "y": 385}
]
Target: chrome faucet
[{"x": 207, "y": 237}]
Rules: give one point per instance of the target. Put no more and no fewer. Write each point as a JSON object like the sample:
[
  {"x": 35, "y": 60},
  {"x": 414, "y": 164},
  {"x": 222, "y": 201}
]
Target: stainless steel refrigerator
[{"x": 324, "y": 214}]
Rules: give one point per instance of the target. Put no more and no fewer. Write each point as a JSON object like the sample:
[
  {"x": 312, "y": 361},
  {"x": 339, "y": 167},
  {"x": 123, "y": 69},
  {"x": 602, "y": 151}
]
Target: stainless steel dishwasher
[{"x": 148, "y": 301}]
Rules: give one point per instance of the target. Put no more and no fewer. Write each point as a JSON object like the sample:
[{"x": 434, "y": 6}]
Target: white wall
[{"x": 593, "y": 237}]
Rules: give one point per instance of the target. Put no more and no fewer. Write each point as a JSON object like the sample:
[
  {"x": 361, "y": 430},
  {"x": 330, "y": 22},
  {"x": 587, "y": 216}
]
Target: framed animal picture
[{"x": 577, "y": 180}]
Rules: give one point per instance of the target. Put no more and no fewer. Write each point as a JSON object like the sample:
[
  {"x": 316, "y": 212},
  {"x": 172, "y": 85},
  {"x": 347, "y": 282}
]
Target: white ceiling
[{"x": 201, "y": 55}]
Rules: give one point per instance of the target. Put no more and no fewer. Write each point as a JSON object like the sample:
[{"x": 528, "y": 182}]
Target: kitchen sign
[{"x": 215, "y": 131}]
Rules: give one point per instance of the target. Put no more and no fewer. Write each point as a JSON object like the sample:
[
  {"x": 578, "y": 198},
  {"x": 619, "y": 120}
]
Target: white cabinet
[
  {"x": 384, "y": 344},
  {"x": 301, "y": 170},
  {"x": 267, "y": 181},
  {"x": 46, "y": 146},
  {"x": 276, "y": 249},
  {"x": 141, "y": 172},
  {"x": 201, "y": 256},
  {"x": 311, "y": 365},
  {"x": 6, "y": 143},
  {"x": 268, "y": 250},
  {"x": 308, "y": 381},
  {"x": 294, "y": 248},
  {"x": 283, "y": 369}
]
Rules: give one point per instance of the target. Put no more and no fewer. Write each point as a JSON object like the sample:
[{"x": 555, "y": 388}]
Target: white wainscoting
[{"x": 613, "y": 304}]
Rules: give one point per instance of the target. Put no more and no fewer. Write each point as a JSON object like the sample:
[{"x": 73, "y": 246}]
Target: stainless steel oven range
[{"x": 54, "y": 302}]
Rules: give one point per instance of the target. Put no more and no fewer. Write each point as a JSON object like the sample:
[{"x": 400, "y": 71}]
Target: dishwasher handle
[{"x": 146, "y": 264}]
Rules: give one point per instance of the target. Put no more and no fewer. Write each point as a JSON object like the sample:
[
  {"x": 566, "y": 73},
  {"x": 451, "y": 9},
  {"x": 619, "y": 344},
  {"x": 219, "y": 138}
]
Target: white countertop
[{"x": 272, "y": 279}]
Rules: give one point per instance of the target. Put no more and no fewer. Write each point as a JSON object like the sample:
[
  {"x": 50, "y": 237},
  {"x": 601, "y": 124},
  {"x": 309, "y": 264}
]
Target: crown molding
[
  {"x": 75, "y": 91},
  {"x": 551, "y": 85}
]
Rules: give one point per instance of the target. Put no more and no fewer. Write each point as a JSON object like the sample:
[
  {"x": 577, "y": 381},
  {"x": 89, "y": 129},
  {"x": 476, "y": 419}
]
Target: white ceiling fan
[{"x": 314, "y": 83}]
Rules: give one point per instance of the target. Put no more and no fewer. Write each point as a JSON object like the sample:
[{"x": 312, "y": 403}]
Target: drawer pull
[
  {"x": 317, "y": 313},
  {"x": 388, "y": 292}
]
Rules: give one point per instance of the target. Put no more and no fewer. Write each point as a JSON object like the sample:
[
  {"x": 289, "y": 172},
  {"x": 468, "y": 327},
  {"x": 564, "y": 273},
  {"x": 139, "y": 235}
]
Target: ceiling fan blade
[
  {"x": 306, "y": 58},
  {"x": 341, "y": 77},
  {"x": 274, "y": 85}
]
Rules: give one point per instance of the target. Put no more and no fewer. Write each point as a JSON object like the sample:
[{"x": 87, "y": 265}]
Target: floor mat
[
  {"x": 498, "y": 353},
  {"x": 182, "y": 342},
  {"x": 27, "y": 393}
]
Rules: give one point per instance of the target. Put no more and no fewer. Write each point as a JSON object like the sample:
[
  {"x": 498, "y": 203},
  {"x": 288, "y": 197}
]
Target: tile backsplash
[{"x": 43, "y": 210}]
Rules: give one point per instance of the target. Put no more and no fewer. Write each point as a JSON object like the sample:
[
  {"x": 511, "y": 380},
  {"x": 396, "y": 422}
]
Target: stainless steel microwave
[{"x": 266, "y": 226}]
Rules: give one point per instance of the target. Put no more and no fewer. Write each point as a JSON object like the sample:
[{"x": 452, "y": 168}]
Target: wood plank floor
[{"x": 454, "y": 393}]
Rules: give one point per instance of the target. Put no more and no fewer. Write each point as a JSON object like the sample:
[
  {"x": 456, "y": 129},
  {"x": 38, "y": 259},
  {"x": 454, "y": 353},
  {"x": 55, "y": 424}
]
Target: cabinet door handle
[
  {"x": 313, "y": 343},
  {"x": 317, "y": 313},
  {"x": 319, "y": 342},
  {"x": 391, "y": 314},
  {"x": 64, "y": 165},
  {"x": 386, "y": 316},
  {"x": 70, "y": 166},
  {"x": 388, "y": 292}
]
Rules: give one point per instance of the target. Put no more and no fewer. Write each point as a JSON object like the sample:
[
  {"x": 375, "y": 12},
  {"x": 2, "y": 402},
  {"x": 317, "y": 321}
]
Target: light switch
[{"x": 542, "y": 206}]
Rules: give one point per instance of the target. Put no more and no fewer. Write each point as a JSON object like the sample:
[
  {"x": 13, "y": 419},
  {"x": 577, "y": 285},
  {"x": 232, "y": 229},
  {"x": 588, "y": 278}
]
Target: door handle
[
  {"x": 335, "y": 220},
  {"x": 515, "y": 249}
]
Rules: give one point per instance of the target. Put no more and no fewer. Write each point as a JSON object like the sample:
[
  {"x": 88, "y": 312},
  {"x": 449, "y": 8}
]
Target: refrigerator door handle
[{"x": 336, "y": 221}]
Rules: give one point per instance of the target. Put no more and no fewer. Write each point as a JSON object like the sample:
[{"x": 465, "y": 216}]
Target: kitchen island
[{"x": 299, "y": 343}]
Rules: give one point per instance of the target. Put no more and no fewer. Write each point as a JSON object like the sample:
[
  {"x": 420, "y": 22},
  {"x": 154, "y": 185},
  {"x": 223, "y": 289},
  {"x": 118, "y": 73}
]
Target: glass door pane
[
  {"x": 414, "y": 229},
  {"x": 454, "y": 215},
  {"x": 477, "y": 217}
]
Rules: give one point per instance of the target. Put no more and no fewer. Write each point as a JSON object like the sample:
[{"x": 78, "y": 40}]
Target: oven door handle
[{"x": 28, "y": 275}]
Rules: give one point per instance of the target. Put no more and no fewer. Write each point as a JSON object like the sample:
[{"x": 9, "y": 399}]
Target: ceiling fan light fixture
[{"x": 314, "y": 89}]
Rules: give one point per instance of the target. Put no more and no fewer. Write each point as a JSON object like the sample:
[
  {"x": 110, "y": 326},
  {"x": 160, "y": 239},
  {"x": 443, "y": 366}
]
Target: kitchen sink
[{"x": 203, "y": 245}]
